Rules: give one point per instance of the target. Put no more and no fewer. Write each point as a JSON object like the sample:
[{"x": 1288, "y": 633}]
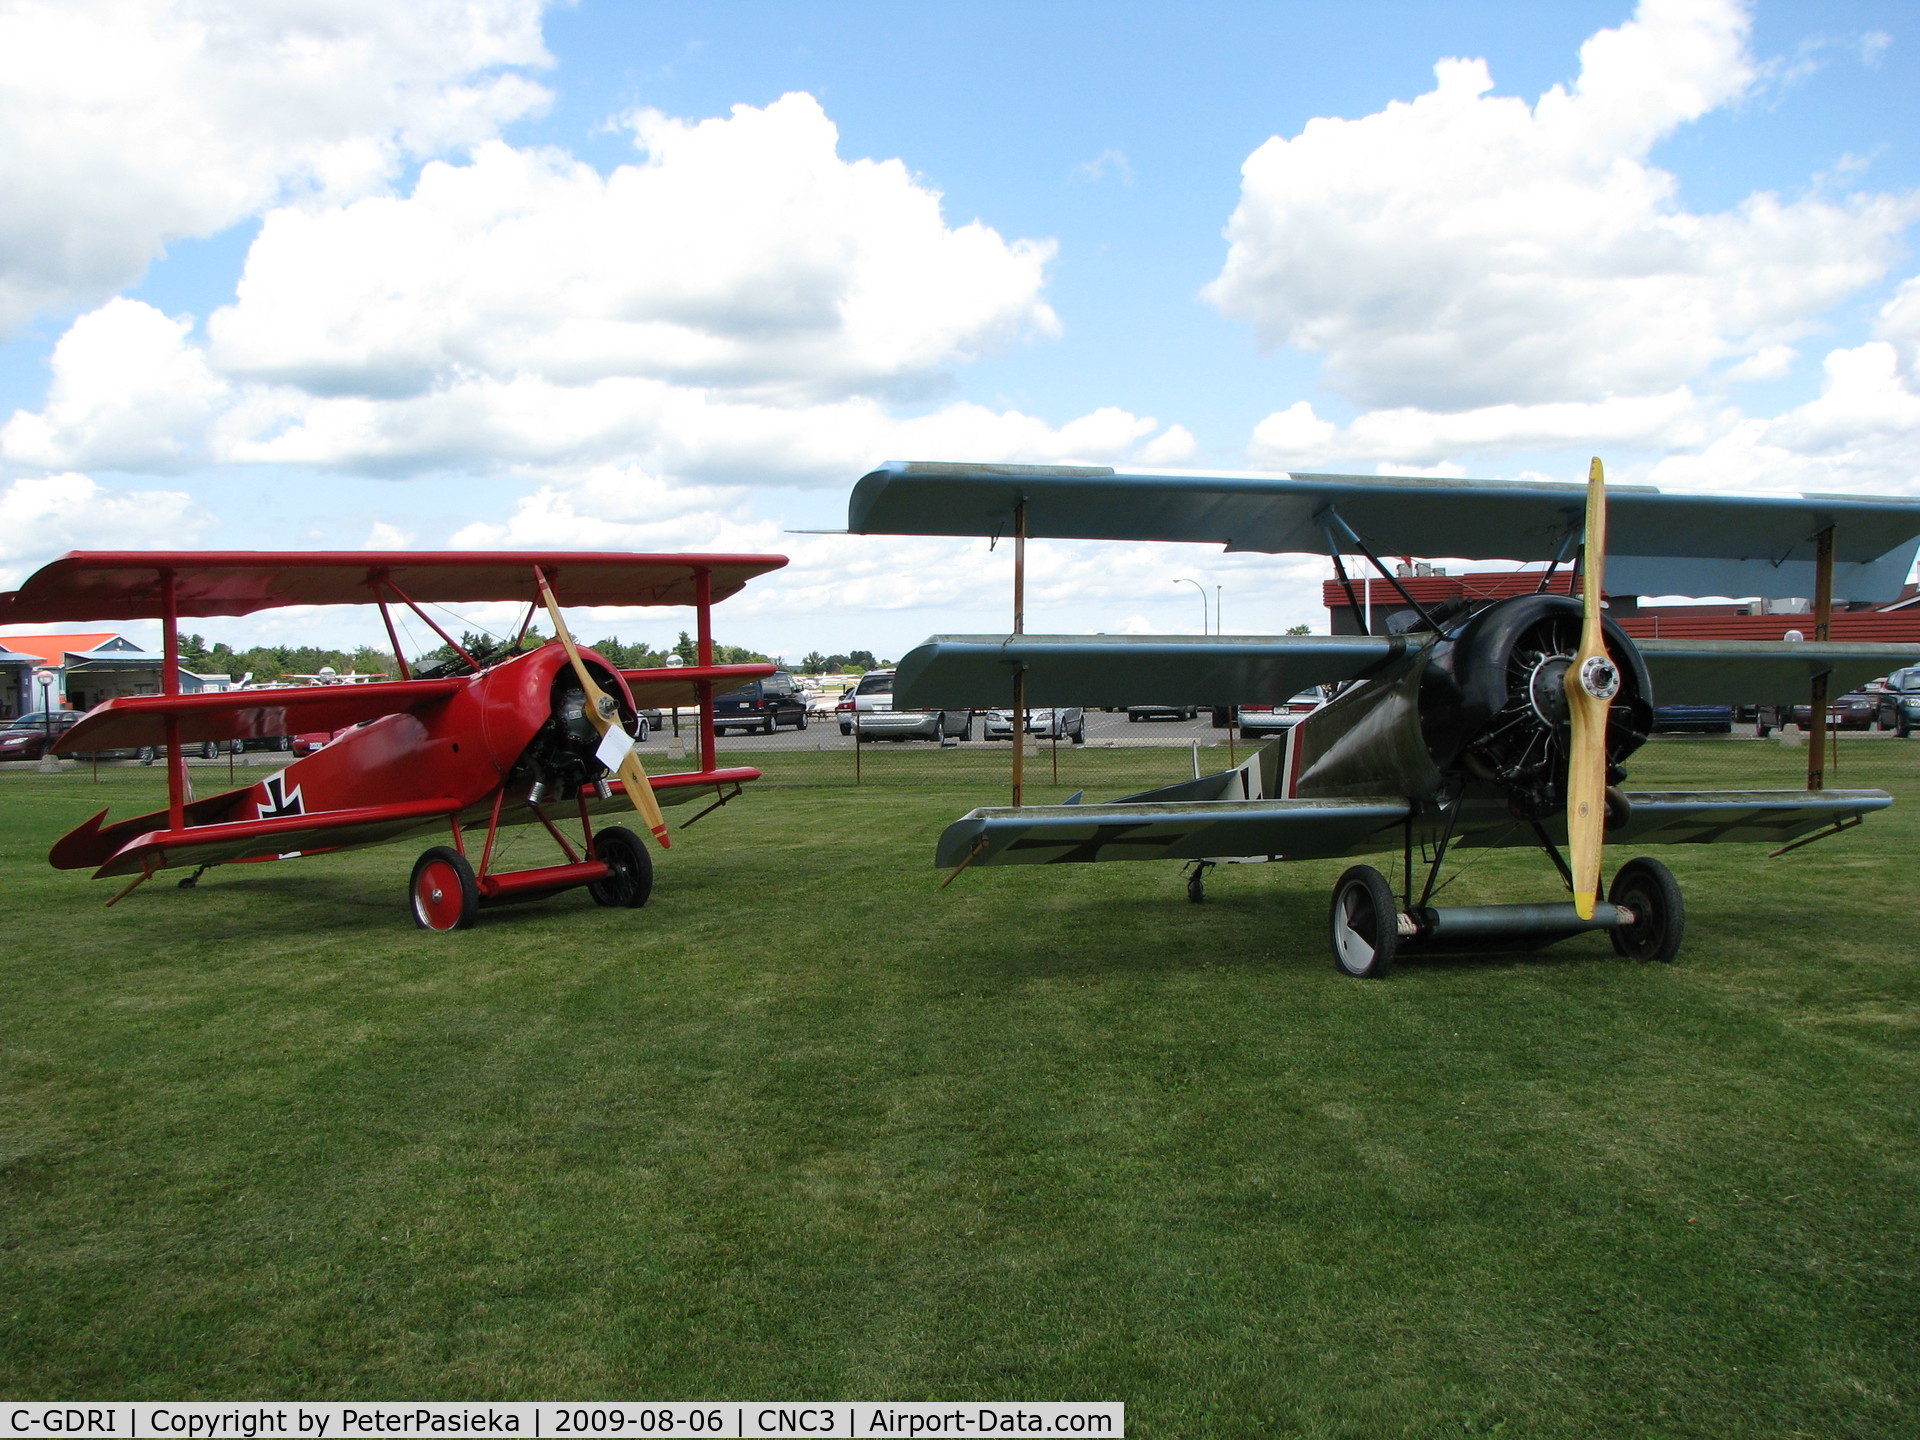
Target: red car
[
  {"x": 27, "y": 736},
  {"x": 1852, "y": 711}
]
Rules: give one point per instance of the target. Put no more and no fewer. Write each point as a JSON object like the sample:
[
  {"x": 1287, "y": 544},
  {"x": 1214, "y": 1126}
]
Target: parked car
[
  {"x": 1899, "y": 707},
  {"x": 763, "y": 705},
  {"x": 28, "y": 736},
  {"x": 1856, "y": 710},
  {"x": 1162, "y": 712},
  {"x": 874, "y": 718},
  {"x": 1260, "y": 722},
  {"x": 1708, "y": 719},
  {"x": 1067, "y": 722}
]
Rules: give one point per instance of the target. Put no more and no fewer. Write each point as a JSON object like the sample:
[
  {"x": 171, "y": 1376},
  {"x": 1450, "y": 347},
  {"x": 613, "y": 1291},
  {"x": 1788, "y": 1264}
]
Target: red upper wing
[{"x": 125, "y": 585}]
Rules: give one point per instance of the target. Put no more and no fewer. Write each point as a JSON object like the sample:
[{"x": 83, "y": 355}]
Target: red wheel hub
[{"x": 437, "y": 895}]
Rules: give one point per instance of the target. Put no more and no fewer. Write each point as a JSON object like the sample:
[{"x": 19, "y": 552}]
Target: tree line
[{"x": 269, "y": 664}]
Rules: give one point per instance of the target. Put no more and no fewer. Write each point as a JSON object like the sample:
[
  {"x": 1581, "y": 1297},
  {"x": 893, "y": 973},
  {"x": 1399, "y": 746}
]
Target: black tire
[
  {"x": 1363, "y": 924},
  {"x": 801, "y": 723},
  {"x": 771, "y": 723},
  {"x": 145, "y": 754},
  {"x": 625, "y": 853},
  {"x": 1648, "y": 888},
  {"x": 442, "y": 893},
  {"x": 641, "y": 730},
  {"x": 1079, "y": 737},
  {"x": 285, "y": 742},
  {"x": 1761, "y": 730},
  {"x": 1133, "y": 718},
  {"x": 209, "y": 749},
  {"x": 846, "y": 729}
]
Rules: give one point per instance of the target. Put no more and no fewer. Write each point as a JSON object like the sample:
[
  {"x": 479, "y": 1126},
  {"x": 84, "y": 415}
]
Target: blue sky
[{"x": 1695, "y": 262}]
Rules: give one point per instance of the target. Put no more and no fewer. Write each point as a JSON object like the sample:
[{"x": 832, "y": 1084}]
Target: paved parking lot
[{"x": 1102, "y": 729}]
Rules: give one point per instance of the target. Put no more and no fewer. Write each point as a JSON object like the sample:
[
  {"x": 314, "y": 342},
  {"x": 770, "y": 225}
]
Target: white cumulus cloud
[
  {"x": 742, "y": 252},
  {"x": 1402, "y": 440},
  {"x": 127, "y": 124},
  {"x": 1465, "y": 250},
  {"x": 129, "y": 392},
  {"x": 740, "y": 305},
  {"x": 42, "y": 516}
]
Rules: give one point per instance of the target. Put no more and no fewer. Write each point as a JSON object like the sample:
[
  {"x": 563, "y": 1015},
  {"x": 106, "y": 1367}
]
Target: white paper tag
[{"x": 613, "y": 747}]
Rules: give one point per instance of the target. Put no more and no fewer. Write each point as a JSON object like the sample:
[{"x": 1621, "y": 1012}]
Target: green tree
[
  {"x": 1299, "y": 630},
  {"x": 689, "y": 653}
]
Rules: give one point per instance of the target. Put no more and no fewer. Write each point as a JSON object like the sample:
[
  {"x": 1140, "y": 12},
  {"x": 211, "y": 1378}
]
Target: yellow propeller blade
[
  {"x": 604, "y": 711},
  {"x": 1592, "y": 682}
]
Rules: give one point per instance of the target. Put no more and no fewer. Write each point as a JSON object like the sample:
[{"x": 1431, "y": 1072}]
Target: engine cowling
[
  {"x": 560, "y": 757},
  {"x": 1493, "y": 702}
]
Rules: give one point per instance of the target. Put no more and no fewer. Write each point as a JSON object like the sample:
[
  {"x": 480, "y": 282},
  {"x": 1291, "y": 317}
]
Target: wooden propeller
[
  {"x": 604, "y": 711},
  {"x": 1592, "y": 681}
]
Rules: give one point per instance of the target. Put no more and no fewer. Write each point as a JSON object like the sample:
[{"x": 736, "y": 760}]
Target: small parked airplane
[
  {"x": 1502, "y": 725},
  {"x": 473, "y": 750}
]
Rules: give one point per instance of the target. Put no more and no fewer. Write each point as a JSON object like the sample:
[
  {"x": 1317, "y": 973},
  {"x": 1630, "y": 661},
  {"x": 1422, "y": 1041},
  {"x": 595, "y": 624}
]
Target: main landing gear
[
  {"x": 1644, "y": 916},
  {"x": 446, "y": 892}
]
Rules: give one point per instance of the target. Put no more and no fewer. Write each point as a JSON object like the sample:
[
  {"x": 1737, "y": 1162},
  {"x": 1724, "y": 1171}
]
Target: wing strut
[
  {"x": 170, "y": 686},
  {"x": 1329, "y": 514},
  {"x": 452, "y": 644},
  {"x": 703, "y": 653},
  {"x": 1020, "y": 675},
  {"x": 1822, "y": 631},
  {"x": 393, "y": 635}
]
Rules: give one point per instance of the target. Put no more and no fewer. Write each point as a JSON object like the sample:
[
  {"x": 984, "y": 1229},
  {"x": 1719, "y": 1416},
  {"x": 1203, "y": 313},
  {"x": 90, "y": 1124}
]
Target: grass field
[{"x": 809, "y": 1127}]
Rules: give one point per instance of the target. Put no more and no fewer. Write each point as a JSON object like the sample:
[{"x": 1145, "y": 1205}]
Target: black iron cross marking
[{"x": 284, "y": 802}]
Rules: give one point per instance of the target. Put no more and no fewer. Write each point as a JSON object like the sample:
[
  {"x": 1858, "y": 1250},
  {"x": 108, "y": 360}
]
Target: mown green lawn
[{"x": 808, "y": 1126}]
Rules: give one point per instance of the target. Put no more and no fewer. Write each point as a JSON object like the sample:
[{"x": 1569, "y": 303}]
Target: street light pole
[
  {"x": 48, "y": 760},
  {"x": 1203, "y": 600}
]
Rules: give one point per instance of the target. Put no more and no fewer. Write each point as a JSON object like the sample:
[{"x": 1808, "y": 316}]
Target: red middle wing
[
  {"x": 136, "y": 720},
  {"x": 679, "y": 685}
]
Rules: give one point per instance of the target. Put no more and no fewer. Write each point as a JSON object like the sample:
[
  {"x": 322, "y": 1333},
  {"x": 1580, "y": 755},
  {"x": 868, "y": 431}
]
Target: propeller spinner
[
  {"x": 604, "y": 713},
  {"x": 1592, "y": 680}
]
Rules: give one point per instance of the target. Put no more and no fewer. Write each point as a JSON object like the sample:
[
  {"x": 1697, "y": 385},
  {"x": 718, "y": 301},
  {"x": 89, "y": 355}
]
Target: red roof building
[{"x": 1895, "y": 621}]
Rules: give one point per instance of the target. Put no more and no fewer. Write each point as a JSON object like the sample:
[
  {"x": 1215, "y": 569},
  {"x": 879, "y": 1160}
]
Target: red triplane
[{"x": 469, "y": 751}]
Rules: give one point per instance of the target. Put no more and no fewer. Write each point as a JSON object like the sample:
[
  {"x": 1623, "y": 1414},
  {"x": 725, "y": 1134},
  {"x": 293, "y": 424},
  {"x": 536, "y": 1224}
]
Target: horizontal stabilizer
[
  {"x": 977, "y": 670},
  {"x": 1763, "y": 672},
  {"x": 1657, "y": 544},
  {"x": 135, "y": 720}
]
